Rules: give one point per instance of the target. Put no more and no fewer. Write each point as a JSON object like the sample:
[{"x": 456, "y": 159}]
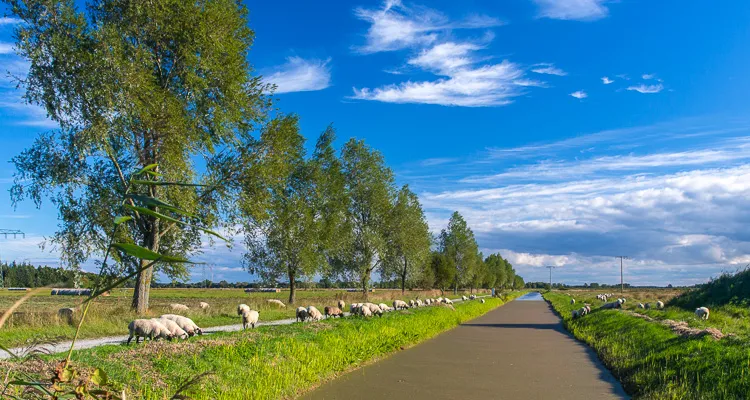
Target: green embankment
[
  {"x": 652, "y": 361},
  {"x": 273, "y": 362}
]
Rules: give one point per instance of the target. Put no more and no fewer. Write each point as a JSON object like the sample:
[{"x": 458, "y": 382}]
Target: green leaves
[
  {"x": 150, "y": 201},
  {"x": 146, "y": 254}
]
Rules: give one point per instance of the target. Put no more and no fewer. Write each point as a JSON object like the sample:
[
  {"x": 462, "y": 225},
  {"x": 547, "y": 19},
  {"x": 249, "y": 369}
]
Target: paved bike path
[{"x": 517, "y": 351}]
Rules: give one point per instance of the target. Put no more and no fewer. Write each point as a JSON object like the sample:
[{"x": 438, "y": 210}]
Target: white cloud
[
  {"x": 396, "y": 27},
  {"x": 445, "y": 58},
  {"x": 9, "y": 21},
  {"x": 300, "y": 75},
  {"x": 548, "y": 69},
  {"x": 581, "y": 10},
  {"x": 606, "y": 80},
  {"x": 643, "y": 88},
  {"x": 6, "y": 48},
  {"x": 580, "y": 94},
  {"x": 648, "y": 76}
]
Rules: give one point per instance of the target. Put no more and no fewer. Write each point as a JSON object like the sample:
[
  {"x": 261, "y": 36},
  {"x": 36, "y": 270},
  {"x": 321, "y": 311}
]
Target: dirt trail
[{"x": 518, "y": 351}]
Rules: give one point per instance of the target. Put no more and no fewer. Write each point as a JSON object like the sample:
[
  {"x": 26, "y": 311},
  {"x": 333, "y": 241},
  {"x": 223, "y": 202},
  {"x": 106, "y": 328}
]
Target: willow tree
[
  {"x": 457, "y": 242},
  {"x": 291, "y": 234},
  {"x": 408, "y": 238},
  {"x": 131, "y": 83},
  {"x": 369, "y": 189}
]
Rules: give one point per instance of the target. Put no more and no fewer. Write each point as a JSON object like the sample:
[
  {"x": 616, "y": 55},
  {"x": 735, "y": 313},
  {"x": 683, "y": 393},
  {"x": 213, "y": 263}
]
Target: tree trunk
[
  {"x": 292, "y": 288},
  {"x": 364, "y": 287},
  {"x": 143, "y": 279},
  {"x": 403, "y": 278},
  {"x": 455, "y": 287}
]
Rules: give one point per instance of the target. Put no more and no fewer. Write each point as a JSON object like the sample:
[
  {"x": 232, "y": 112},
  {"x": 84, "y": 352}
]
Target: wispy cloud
[
  {"x": 9, "y": 21},
  {"x": 462, "y": 77},
  {"x": 580, "y": 94},
  {"x": 6, "y": 48},
  {"x": 437, "y": 161},
  {"x": 648, "y": 76},
  {"x": 548, "y": 69},
  {"x": 647, "y": 89},
  {"x": 606, "y": 80},
  {"x": 300, "y": 75},
  {"x": 581, "y": 10},
  {"x": 396, "y": 26}
]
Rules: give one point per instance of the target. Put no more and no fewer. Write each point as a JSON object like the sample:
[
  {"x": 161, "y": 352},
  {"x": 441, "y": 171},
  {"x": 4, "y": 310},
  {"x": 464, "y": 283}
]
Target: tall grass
[
  {"x": 652, "y": 362},
  {"x": 273, "y": 361},
  {"x": 109, "y": 316},
  {"x": 727, "y": 289}
]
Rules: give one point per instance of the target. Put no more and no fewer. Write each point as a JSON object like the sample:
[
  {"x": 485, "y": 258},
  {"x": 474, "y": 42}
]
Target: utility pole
[
  {"x": 550, "y": 275},
  {"x": 622, "y": 284},
  {"x": 5, "y": 233}
]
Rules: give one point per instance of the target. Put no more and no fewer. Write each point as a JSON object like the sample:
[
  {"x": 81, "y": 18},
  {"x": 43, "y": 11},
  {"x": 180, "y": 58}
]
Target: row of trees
[
  {"x": 27, "y": 275},
  {"x": 169, "y": 86}
]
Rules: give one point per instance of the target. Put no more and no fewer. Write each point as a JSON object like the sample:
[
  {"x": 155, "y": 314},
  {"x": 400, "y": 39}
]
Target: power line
[
  {"x": 550, "y": 274},
  {"x": 5, "y": 233}
]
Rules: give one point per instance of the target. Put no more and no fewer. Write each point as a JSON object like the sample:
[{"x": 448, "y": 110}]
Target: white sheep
[
  {"x": 147, "y": 328},
  {"x": 384, "y": 307},
  {"x": 314, "y": 313},
  {"x": 464, "y": 298},
  {"x": 481, "y": 300},
  {"x": 250, "y": 317},
  {"x": 242, "y": 308},
  {"x": 333, "y": 312},
  {"x": 178, "y": 307},
  {"x": 185, "y": 323},
  {"x": 572, "y": 301},
  {"x": 447, "y": 301},
  {"x": 640, "y": 305},
  {"x": 66, "y": 314},
  {"x": 574, "y": 314},
  {"x": 412, "y": 303},
  {"x": 440, "y": 299},
  {"x": 702, "y": 313},
  {"x": 375, "y": 309},
  {"x": 354, "y": 308},
  {"x": 660, "y": 305},
  {"x": 472, "y": 297},
  {"x": 203, "y": 305},
  {"x": 341, "y": 304},
  {"x": 301, "y": 314},
  {"x": 400, "y": 305},
  {"x": 366, "y": 311},
  {"x": 276, "y": 302},
  {"x": 173, "y": 328}
]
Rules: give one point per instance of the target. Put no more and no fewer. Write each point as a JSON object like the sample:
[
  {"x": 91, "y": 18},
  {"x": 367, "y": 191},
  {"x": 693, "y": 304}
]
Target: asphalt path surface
[{"x": 517, "y": 351}]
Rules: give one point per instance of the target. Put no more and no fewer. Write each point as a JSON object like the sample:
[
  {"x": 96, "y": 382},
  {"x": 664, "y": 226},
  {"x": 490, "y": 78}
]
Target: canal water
[{"x": 531, "y": 296}]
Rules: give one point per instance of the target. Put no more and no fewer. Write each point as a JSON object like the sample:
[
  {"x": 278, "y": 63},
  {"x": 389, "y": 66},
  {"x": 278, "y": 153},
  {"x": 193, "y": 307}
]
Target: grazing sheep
[
  {"x": 572, "y": 301},
  {"x": 574, "y": 314},
  {"x": 341, "y": 304},
  {"x": 250, "y": 317},
  {"x": 660, "y": 305},
  {"x": 481, "y": 300},
  {"x": 648, "y": 306},
  {"x": 384, "y": 307},
  {"x": 179, "y": 307},
  {"x": 66, "y": 314},
  {"x": 276, "y": 302},
  {"x": 173, "y": 328},
  {"x": 242, "y": 308},
  {"x": 473, "y": 297},
  {"x": 447, "y": 301},
  {"x": 614, "y": 304},
  {"x": 366, "y": 311},
  {"x": 412, "y": 303},
  {"x": 464, "y": 298},
  {"x": 587, "y": 307},
  {"x": 203, "y": 305},
  {"x": 147, "y": 328},
  {"x": 440, "y": 299},
  {"x": 702, "y": 313},
  {"x": 314, "y": 313},
  {"x": 400, "y": 305},
  {"x": 583, "y": 311},
  {"x": 354, "y": 308},
  {"x": 375, "y": 309},
  {"x": 301, "y": 314},
  {"x": 185, "y": 323},
  {"x": 333, "y": 312},
  {"x": 620, "y": 301},
  {"x": 640, "y": 305}
]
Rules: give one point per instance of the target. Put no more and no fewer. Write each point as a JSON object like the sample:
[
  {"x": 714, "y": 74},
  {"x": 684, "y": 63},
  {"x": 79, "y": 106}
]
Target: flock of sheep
[
  {"x": 173, "y": 326},
  {"x": 700, "y": 312}
]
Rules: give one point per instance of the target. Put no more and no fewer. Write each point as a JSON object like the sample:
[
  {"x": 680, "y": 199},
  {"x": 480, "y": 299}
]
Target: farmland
[
  {"x": 37, "y": 318},
  {"x": 268, "y": 362},
  {"x": 665, "y": 354}
]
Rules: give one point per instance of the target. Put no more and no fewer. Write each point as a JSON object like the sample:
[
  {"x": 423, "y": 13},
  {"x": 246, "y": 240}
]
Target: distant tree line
[{"x": 27, "y": 275}]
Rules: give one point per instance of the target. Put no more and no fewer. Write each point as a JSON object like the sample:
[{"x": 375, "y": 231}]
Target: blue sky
[{"x": 566, "y": 131}]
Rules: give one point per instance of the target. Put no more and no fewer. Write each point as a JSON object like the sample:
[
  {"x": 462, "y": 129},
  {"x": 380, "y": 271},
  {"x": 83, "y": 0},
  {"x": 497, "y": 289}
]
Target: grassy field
[
  {"x": 37, "y": 318},
  {"x": 268, "y": 362},
  {"x": 651, "y": 360}
]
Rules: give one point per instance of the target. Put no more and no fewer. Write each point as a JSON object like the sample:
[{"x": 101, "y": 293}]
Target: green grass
[
  {"x": 727, "y": 289},
  {"x": 109, "y": 316},
  {"x": 651, "y": 361},
  {"x": 274, "y": 361}
]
